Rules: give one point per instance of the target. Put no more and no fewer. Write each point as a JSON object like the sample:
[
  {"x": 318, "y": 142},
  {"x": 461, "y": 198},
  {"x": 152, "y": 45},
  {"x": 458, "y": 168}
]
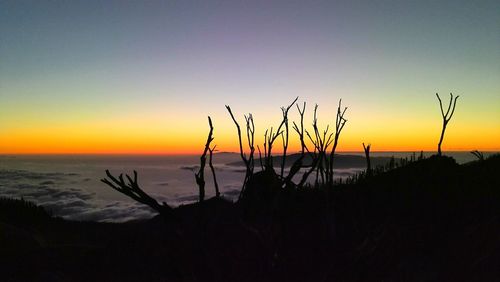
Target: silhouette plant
[
  {"x": 248, "y": 161},
  {"x": 368, "y": 163},
  {"x": 478, "y": 155},
  {"x": 271, "y": 136},
  {"x": 131, "y": 188},
  {"x": 285, "y": 134},
  {"x": 313, "y": 155},
  {"x": 446, "y": 116},
  {"x": 321, "y": 143},
  {"x": 200, "y": 175},
  {"x": 340, "y": 122},
  {"x": 211, "y": 151},
  {"x": 320, "y": 163},
  {"x": 298, "y": 164}
]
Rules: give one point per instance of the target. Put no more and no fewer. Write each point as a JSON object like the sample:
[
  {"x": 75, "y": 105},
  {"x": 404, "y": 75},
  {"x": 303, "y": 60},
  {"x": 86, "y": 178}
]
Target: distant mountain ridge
[{"x": 340, "y": 161}]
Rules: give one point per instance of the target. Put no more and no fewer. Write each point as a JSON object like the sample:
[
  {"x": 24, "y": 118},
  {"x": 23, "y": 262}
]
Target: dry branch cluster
[
  {"x": 316, "y": 155},
  {"x": 320, "y": 153},
  {"x": 131, "y": 188},
  {"x": 319, "y": 149}
]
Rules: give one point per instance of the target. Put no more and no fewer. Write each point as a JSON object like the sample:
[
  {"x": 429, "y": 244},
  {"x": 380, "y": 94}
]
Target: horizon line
[{"x": 225, "y": 152}]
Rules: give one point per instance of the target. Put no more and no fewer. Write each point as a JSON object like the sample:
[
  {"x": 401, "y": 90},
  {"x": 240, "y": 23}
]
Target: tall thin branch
[
  {"x": 260, "y": 158},
  {"x": 340, "y": 122},
  {"x": 285, "y": 135},
  {"x": 250, "y": 128},
  {"x": 200, "y": 175},
  {"x": 243, "y": 156},
  {"x": 273, "y": 136},
  {"x": 247, "y": 161},
  {"x": 446, "y": 116},
  {"x": 316, "y": 154},
  {"x": 368, "y": 162},
  {"x": 212, "y": 150},
  {"x": 298, "y": 164}
]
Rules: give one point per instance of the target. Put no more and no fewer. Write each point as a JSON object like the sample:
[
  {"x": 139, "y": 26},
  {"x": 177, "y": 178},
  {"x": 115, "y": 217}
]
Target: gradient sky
[{"x": 133, "y": 77}]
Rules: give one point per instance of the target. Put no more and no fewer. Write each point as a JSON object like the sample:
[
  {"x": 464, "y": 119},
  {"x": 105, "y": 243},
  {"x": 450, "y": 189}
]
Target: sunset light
[
  {"x": 143, "y": 78},
  {"x": 249, "y": 140}
]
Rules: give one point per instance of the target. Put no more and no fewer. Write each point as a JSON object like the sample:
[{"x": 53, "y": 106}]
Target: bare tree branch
[
  {"x": 368, "y": 163},
  {"x": 243, "y": 157},
  {"x": 446, "y": 117},
  {"x": 340, "y": 122},
  {"x": 285, "y": 134},
  {"x": 260, "y": 158},
  {"x": 478, "y": 155},
  {"x": 132, "y": 190},
  {"x": 200, "y": 175},
  {"x": 212, "y": 150},
  {"x": 298, "y": 164},
  {"x": 250, "y": 130}
]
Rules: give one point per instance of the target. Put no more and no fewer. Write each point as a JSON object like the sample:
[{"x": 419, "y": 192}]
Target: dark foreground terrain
[{"x": 429, "y": 220}]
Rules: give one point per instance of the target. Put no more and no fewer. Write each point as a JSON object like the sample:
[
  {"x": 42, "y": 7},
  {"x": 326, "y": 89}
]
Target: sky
[{"x": 142, "y": 76}]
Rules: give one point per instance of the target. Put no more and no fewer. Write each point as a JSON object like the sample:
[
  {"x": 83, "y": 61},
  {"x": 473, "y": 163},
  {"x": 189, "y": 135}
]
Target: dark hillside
[{"x": 429, "y": 220}]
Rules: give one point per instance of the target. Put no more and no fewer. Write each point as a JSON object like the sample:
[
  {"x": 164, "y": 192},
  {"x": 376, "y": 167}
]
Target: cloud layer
[{"x": 51, "y": 191}]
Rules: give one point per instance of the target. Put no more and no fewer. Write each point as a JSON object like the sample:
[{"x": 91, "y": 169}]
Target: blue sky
[{"x": 69, "y": 65}]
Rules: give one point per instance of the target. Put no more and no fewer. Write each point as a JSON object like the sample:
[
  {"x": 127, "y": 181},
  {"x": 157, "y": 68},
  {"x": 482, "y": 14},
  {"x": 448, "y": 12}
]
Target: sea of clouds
[
  {"x": 59, "y": 194},
  {"x": 70, "y": 187},
  {"x": 62, "y": 194}
]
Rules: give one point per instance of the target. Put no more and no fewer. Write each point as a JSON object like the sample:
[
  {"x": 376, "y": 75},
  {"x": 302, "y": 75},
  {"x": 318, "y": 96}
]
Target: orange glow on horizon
[
  {"x": 155, "y": 147},
  {"x": 171, "y": 135}
]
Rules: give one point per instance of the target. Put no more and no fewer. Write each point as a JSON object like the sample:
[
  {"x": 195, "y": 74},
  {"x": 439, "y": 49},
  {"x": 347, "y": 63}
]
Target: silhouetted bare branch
[
  {"x": 446, "y": 117},
  {"x": 200, "y": 175},
  {"x": 243, "y": 156},
  {"x": 340, "y": 122},
  {"x": 368, "y": 163},
  {"x": 250, "y": 138},
  {"x": 131, "y": 189},
  {"x": 212, "y": 150},
  {"x": 285, "y": 134},
  {"x": 249, "y": 162},
  {"x": 478, "y": 155},
  {"x": 260, "y": 158},
  {"x": 298, "y": 164},
  {"x": 321, "y": 143},
  {"x": 270, "y": 137}
]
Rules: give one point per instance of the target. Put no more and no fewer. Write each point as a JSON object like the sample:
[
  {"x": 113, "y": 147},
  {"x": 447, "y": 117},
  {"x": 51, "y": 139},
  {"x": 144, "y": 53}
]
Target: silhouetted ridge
[
  {"x": 424, "y": 219},
  {"x": 341, "y": 161},
  {"x": 20, "y": 210}
]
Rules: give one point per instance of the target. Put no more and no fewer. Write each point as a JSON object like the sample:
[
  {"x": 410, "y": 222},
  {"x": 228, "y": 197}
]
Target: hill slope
[{"x": 431, "y": 220}]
